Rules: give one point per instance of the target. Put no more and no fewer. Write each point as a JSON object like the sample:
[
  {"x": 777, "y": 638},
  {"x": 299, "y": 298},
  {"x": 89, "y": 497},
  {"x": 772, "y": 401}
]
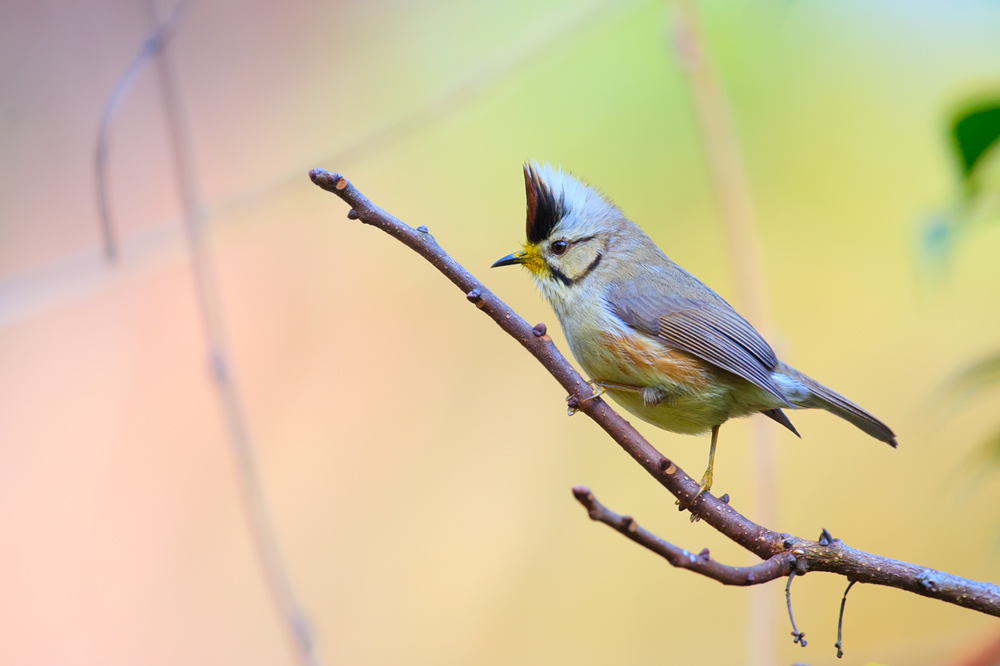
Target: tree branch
[
  {"x": 778, "y": 566},
  {"x": 830, "y": 555}
]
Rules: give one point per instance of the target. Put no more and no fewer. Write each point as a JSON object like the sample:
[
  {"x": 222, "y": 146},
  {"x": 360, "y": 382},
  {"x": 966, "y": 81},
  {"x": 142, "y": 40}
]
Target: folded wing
[{"x": 708, "y": 329}]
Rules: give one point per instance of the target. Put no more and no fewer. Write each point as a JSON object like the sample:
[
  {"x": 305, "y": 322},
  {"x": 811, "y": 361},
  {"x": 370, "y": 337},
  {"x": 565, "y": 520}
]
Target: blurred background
[{"x": 417, "y": 462}]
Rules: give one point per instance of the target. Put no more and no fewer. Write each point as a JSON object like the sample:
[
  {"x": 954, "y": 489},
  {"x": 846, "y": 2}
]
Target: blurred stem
[
  {"x": 210, "y": 304},
  {"x": 157, "y": 37},
  {"x": 987, "y": 655},
  {"x": 725, "y": 162},
  {"x": 732, "y": 190}
]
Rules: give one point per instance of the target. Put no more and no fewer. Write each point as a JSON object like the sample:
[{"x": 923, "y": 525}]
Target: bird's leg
[{"x": 706, "y": 479}]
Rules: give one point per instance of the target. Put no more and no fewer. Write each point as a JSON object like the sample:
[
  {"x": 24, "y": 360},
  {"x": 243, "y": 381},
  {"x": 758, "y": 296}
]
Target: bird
[{"x": 650, "y": 334}]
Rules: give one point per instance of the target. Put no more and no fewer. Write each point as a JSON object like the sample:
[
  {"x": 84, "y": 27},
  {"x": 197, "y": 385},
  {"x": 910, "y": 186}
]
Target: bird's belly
[
  {"x": 685, "y": 414},
  {"x": 698, "y": 396}
]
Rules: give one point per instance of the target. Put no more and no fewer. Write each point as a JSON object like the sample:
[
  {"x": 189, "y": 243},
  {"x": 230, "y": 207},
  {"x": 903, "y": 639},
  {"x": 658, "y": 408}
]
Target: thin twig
[
  {"x": 836, "y": 557},
  {"x": 840, "y": 621},
  {"x": 797, "y": 636},
  {"x": 209, "y": 299},
  {"x": 154, "y": 41},
  {"x": 768, "y": 570}
]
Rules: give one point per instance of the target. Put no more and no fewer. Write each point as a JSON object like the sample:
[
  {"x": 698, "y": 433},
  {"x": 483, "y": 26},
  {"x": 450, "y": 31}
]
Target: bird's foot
[
  {"x": 706, "y": 479},
  {"x": 573, "y": 402},
  {"x": 703, "y": 487}
]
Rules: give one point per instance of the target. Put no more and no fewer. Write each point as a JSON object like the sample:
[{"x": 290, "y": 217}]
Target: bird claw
[
  {"x": 703, "y": 487},
  {"x": 573, "y": 402}
]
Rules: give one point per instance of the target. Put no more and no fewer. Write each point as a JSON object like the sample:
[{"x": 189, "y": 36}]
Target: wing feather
[{"x": 708, "y": 329}]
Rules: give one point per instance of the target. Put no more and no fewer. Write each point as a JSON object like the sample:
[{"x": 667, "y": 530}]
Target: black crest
[{"x": 544, "y": 210}]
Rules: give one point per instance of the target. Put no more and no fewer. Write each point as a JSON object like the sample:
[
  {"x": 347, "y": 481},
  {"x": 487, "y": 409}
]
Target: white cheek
[{"x": 556, "y": 293}]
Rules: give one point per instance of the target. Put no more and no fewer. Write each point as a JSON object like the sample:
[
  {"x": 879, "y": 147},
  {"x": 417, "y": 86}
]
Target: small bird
[{"x": 661, "y": 343}]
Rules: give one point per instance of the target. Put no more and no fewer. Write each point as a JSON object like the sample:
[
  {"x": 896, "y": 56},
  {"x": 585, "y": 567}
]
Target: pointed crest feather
[{"x": 544, "y": 208}]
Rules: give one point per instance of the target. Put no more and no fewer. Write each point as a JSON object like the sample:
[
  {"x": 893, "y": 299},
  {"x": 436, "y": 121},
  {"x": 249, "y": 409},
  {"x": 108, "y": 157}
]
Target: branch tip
[{"x": 328, "y": 181}]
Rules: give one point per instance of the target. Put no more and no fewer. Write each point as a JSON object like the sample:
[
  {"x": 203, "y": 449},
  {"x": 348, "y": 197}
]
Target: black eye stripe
[
  {"x": 590, "y": 269},
  {"x": 559, "y": 275}
]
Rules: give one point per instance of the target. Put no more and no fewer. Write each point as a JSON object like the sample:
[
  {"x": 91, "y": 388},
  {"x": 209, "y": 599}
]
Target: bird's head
[{"x": 569, "y": 229}]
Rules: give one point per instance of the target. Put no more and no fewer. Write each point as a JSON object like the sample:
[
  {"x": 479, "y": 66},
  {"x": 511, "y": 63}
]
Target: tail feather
[
  {"x": 821, "y": 397},
  {"x": 780, "y": 417}
]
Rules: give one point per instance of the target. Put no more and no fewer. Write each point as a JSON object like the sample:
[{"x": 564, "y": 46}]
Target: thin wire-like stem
[
  {"x": 209, "y": 300},
  {"x": 840, "y": 621},
  {"x": 154, "y": 41},
  {"x": 797, "y": 636}
]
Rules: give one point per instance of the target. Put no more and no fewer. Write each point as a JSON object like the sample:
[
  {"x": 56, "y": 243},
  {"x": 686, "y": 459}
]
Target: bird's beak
[{"x": 510, "y": 260}]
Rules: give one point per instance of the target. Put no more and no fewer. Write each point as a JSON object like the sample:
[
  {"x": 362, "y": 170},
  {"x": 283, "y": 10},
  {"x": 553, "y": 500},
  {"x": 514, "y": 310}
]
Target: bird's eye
[{"x": 560, "y": 246}]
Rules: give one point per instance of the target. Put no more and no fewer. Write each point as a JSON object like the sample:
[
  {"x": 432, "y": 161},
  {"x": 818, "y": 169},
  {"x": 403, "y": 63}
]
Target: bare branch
[
  {"x": 834, "y": 557},
  {"x": 775, "y": 567}
]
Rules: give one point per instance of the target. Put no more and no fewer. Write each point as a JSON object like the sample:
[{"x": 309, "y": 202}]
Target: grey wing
[{"x": 708, "y": 329}]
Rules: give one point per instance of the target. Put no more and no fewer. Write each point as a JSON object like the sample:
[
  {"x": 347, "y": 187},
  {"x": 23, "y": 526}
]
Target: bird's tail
[{"x": 818, "y": 396}]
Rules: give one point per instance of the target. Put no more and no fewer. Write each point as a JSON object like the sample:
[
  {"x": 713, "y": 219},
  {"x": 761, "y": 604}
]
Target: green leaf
[{"x": 976, "y": 130}]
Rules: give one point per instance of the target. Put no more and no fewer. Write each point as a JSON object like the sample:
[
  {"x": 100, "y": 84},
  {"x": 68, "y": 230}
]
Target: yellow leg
[{"x": 706, "y": 479}]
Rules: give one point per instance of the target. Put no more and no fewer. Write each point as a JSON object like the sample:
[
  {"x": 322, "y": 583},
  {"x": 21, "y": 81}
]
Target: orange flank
[{"x": 636, "y": 356}]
